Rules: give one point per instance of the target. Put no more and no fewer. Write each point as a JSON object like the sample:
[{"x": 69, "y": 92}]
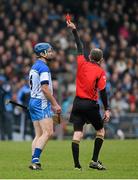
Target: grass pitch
[{"x": 120, "y": 157}]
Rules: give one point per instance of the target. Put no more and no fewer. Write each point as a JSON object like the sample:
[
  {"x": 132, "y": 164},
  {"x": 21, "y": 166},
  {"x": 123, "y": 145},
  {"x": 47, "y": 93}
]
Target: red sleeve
[
  {"x": 102, "y": 81},
  {"x": 80, "y": 59}
]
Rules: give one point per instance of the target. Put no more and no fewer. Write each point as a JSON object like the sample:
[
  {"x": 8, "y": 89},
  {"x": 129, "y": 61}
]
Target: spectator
[{"x": 6, "y": 113}]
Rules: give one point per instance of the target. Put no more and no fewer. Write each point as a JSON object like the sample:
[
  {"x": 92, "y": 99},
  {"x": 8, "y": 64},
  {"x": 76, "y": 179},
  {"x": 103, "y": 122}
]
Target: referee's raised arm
[{"x": 77, "y": 39}]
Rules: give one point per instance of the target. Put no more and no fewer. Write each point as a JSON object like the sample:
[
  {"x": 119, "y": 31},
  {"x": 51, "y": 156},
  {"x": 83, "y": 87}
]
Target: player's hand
[
  {"x": 56, "y": 108},
  {"x": 71, "y": 25},
  {"x": 107, "y": 115},
  {"x": 57, "y": 118}
]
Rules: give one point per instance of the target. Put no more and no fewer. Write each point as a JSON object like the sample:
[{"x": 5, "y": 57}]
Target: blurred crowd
[{"x": 109, "y": 24}]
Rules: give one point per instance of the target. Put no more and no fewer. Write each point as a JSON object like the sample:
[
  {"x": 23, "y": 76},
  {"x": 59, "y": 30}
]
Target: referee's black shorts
[{"x": 85, "y": 111}]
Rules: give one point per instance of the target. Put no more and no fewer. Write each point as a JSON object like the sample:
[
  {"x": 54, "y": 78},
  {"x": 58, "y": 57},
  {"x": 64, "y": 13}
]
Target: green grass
[{"x": 120, "y": 157}]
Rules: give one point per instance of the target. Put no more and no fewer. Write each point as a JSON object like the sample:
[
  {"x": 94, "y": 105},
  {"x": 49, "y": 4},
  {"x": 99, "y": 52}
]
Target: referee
[{"x": 90, "y": 79}]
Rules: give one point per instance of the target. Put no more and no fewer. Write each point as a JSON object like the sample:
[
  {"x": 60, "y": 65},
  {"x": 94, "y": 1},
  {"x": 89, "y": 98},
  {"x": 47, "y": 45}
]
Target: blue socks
[{"x": 35, "y": 157}]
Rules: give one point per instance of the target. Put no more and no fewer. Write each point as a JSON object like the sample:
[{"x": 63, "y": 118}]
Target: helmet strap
[{"x": 45, "y": 51}]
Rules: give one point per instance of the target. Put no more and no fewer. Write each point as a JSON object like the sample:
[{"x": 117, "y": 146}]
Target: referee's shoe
[
  {"x": 78, "y": 167},
  {"x": 97, "y": 165}
]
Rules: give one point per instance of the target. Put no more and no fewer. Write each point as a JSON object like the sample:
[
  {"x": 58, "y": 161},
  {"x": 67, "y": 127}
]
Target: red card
[{"x": 68, "y": 18}]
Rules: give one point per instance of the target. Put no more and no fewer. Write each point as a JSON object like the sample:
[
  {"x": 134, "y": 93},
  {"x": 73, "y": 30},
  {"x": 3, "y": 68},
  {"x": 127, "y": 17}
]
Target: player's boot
[
  {"x": 97, "y": 165},
  {"x": 35, "y": 166},
  {"x": 78, "y": 167}
]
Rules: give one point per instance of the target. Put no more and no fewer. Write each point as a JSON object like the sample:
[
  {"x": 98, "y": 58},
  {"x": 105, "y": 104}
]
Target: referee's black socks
[
  {"x": 97, "y": 146},
  {"x": 75, "y": 153}
]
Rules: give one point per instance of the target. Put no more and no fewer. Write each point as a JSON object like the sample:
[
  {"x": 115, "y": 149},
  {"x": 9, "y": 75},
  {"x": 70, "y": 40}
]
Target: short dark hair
[{"x": 96, "y": 54}]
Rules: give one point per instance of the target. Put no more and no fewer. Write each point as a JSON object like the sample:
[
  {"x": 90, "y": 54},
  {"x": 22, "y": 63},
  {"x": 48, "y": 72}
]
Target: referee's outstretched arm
[{"x": 77, "y": 39}]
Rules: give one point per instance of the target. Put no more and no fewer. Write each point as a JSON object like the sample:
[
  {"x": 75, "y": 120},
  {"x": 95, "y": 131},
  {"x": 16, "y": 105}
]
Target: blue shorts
[{"x": 39, "y": 109}]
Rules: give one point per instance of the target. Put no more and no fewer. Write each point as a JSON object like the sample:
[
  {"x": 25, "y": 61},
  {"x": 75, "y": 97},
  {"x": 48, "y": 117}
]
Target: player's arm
[
  {"x": 76, "y": 37},
  {"x": 50, "y": 97},
  {"x": 44, "y": 80}
]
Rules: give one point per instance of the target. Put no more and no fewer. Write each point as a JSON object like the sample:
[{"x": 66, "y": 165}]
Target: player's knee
[
  {"x": 100, "y": 132},
  {"x": 78, "y": 135},
  {"x": 47, "y": 134},
  {"x": 37, "y": 136},
  {"x": 50, "y": 133}
]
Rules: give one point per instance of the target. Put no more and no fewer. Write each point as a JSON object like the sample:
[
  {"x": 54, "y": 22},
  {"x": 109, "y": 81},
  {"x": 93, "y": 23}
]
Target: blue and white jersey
[{"x": 39, "y": 75}]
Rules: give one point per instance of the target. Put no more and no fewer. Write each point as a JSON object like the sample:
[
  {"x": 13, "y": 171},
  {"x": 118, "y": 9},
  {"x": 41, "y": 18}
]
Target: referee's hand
[
  {"x": 107, "y": 116},
  {"x": 71, "y": 25}
]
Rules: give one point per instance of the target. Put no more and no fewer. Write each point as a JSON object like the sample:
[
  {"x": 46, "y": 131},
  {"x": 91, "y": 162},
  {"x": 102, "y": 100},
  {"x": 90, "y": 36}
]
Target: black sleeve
[
  {"x": 104, "y": 98},
  {"x": 78, "y": 41}
]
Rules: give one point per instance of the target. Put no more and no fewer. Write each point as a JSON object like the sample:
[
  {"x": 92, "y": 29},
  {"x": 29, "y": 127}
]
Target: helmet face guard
[{"x": 42, "y": 47}]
